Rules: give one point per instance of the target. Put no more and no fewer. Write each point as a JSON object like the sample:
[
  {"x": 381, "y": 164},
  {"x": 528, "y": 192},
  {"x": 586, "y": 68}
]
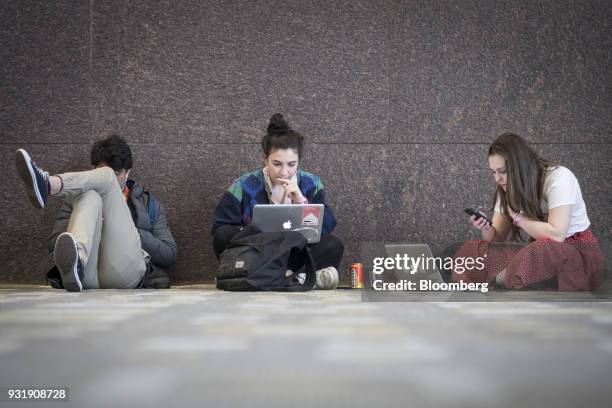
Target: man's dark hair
[{"x": 113, "y": 151}]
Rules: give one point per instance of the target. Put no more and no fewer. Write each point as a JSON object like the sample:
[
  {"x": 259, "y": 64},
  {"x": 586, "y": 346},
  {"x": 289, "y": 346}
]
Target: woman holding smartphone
[
  {"x": 541, "y": 203},
  {"x": 279, "y": 182}
]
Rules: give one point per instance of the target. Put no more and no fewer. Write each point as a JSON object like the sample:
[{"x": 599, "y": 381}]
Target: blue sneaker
[
  {"x": 69, "y": 262},
  {"x": 35, "y": 179}
]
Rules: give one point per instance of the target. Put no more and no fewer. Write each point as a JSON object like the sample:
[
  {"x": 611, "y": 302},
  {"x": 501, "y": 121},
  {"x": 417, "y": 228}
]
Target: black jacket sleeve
[{"x": 227, "y": 212}]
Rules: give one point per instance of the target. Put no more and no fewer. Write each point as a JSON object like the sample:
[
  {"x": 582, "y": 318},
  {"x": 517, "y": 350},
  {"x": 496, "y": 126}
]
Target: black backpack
[{"x": 256, "y": 260}]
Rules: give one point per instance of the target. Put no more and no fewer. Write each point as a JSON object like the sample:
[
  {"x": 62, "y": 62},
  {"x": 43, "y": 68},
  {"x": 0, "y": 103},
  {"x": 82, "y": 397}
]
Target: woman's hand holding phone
[
  {"x": 479, "y": 220},
  {"x": 480, "y": 223}
]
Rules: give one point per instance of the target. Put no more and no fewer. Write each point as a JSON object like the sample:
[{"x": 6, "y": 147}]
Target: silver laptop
[
  {"x": 424, "y": 267},
  {"x": 307, "y": 219}
]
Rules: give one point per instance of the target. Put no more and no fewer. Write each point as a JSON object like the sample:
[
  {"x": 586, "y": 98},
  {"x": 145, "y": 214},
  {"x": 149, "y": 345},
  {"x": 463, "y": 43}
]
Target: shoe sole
[
  {"x": 26, "y": 172},
  {"x": 66, "y": 257}
]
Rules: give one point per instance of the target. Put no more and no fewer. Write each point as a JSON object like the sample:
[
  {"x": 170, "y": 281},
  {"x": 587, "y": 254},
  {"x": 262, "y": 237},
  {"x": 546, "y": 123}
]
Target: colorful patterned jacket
[{"x": 236, "y": 204}]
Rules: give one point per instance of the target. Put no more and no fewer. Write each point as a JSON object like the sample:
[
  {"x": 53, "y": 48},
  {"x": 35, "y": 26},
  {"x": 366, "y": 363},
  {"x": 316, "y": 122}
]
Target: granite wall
[{"x": 398, "y": 101}]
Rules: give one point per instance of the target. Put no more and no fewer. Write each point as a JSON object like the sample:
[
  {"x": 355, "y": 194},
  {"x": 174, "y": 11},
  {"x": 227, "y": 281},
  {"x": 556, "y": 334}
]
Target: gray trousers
[{"x": 107, "y": 239}]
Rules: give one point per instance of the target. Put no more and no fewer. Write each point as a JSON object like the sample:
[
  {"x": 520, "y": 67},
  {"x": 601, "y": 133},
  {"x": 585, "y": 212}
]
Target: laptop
[
  {"x": 307, "y": 219},
  {"x": 424, "y": 267}
]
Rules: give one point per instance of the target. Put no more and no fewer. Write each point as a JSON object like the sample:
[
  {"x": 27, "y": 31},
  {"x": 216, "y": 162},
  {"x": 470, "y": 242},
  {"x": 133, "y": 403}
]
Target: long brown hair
[{"x": 525, "y": 178}]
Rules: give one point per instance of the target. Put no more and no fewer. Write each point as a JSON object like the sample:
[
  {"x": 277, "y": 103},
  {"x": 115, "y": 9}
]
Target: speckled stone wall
[{"x": 398, "y": 101}]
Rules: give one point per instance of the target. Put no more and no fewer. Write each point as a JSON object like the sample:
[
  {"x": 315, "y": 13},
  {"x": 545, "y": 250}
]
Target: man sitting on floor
[{"x": 109, "y": 233}]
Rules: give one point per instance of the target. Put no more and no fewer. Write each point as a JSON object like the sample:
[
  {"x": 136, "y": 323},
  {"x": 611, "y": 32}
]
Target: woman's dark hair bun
[
  {"x": 278, "y": 125},
  {"x": 281, "y": 136}
]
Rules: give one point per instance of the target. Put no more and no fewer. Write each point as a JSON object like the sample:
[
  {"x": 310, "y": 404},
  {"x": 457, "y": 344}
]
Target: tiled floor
[{"x": 197, "y": 346}]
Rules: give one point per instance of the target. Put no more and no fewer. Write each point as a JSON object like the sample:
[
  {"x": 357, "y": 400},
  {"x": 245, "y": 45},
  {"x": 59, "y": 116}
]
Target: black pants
[{"x": 327, "y": 252}]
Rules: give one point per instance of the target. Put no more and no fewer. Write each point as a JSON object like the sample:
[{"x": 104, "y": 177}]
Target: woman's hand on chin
[{"x": 292, "y": 191}]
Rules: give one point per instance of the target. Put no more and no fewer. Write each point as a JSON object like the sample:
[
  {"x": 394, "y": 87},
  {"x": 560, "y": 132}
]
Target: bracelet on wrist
[{"x": 516, "y": 219}]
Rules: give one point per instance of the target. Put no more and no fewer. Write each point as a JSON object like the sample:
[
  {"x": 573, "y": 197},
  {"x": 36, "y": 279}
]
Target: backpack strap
[
  {"x": 309, "y": 270},
  {"x": 242, "y": 236}
]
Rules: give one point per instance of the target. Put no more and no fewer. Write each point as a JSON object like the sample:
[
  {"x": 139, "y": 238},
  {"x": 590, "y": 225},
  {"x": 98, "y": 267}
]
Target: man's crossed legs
[{"x": 101, "y": 247}]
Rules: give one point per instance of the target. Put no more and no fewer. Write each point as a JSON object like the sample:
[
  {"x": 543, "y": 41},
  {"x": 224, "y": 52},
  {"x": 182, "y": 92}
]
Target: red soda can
[{"x": 357, "y": 275}]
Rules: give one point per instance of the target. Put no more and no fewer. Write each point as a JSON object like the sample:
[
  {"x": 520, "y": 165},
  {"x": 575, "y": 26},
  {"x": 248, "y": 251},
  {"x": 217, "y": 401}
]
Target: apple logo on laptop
[{"x": 287, "y": 225}]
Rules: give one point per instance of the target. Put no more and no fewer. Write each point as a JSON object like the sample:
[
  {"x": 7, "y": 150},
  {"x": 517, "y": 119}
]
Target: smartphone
[{"x": 478, "y": 214}]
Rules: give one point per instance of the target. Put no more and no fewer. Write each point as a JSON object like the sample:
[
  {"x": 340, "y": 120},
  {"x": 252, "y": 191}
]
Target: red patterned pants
[{"x": 574, "y": 264}]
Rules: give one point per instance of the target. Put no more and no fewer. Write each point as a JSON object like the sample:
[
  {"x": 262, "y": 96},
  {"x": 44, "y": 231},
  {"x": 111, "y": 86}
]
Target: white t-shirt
[{"x": 561, "y": 188}]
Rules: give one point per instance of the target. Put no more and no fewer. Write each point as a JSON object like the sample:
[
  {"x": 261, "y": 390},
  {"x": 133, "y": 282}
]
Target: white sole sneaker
[
  {"x": 327, "y": 278},
  {"x": 66, "y": 256},
  {"x": 28, "y": 175}
]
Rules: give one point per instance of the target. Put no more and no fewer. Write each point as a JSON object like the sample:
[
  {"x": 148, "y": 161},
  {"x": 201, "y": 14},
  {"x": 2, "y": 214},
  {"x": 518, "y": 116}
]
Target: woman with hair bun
[
  {"x": 541, "y": 203},
  {"x": 280, "y": 181}
]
